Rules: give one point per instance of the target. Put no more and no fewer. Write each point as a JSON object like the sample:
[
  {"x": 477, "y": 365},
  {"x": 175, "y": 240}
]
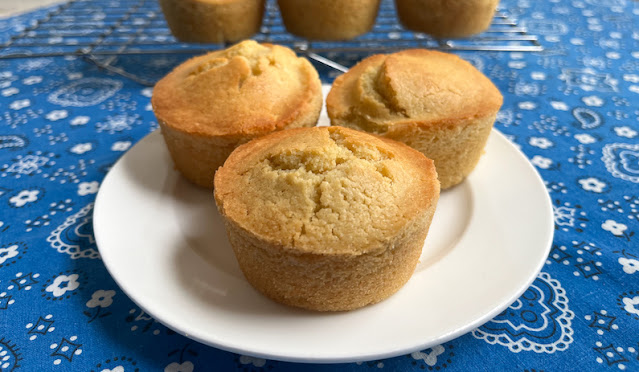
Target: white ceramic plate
[{"x": 164, "y": 243}]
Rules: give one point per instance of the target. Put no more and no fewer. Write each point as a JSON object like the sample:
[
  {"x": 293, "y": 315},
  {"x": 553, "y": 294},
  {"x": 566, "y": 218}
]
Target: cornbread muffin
[
  {"x": 434, "y": 102},
  {"x": 210, "y": 104},
  {"x": 446, "y": 18},
  {"x": 213, "y": 21},
  {"x": 327, "y": 218},
  {"x": 328, "y": 19}
]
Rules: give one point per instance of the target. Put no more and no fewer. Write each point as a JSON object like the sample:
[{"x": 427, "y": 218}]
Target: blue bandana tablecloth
[{"x": 572, "y": 109}]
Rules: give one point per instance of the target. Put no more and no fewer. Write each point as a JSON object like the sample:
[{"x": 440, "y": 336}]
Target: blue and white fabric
[{"x": 573, "y": 109}]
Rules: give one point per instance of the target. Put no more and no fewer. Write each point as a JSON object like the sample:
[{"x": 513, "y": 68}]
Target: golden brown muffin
[
  {"x": 328, "y": 19},
  {"x": 327, "y": 218},
  {"x": 446, "y": 18},
  {"x": 213, "y": 21},
  {"x": 434, "y": 102},
  {"x": 211, "y": 104}
]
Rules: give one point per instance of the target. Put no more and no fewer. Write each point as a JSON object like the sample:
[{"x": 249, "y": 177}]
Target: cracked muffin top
[
  {"x": 245, "y": 90},
  {"x": 326, "y": 190},
  {"x": 412, "y": 86}
]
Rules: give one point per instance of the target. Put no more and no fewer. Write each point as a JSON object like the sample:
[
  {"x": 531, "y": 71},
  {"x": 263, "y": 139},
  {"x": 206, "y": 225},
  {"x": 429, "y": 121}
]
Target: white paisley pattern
[
  {"x": 75, "y": 236},
  {"x": 85, "y": 92},
  {"x": 539, "y": 321},
  {"x": 622, "y": 161}
]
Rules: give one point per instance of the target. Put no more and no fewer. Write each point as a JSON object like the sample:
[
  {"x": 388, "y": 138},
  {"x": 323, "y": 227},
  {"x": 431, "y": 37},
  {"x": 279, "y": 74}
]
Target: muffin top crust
[
  {"x": 246, "y": 90},
  {"x": 412, "y": 86},
  {"x": 325, "y": 190}
]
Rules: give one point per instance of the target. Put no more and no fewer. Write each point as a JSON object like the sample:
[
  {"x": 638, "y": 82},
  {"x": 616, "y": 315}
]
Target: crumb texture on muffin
[
  {"x": 245, "y": 90},
  {"x": 435, "y": 102},
  {"x": 327, "y": 218}
]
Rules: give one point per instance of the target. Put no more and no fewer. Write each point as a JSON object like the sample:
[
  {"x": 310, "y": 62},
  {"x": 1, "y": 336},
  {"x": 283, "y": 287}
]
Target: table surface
[
  {"x": 572, "y": 109},
  {"x": 11, "y": 7}
]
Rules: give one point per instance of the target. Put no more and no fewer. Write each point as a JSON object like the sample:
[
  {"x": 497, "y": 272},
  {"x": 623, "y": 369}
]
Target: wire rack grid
[{"x": 105, "y": 32}]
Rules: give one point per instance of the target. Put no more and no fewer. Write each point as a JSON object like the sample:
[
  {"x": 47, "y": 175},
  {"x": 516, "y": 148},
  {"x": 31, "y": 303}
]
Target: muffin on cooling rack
[
  {"x": 327, "y": 218},
  {"x": 213, "y": 21},
  {"x": 328, "y": 19},
  {"x": 446, "y": 18},
  {"x": 434, "y": 102},
  {"x": 210, "y": 104}
]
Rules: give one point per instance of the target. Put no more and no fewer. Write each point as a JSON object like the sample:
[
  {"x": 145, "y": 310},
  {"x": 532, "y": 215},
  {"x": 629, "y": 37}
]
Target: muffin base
[
  {"x": 329, "y": 19},
  {"x": 329, "y": 282},
  {"x": 455, "y": 148},
  {"x": 446, "y": 18},
  {"x": 196, "y": 157},
  {"x": 210, "y": 22}
]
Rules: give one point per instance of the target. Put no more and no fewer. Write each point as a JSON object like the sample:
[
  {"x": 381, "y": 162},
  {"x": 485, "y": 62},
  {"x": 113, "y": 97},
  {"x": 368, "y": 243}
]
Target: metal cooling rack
[{"x": 113, "y": 34}]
